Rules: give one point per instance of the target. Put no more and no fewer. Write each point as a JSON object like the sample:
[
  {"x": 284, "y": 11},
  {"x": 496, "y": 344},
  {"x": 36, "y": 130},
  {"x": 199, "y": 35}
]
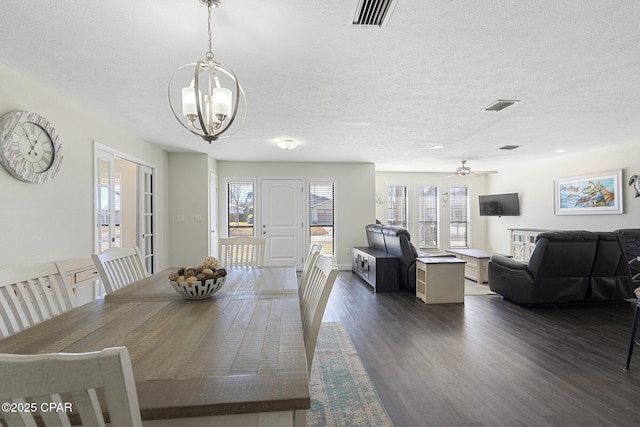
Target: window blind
[
  {"x": 240, "y": 208},
  {"x": 458, "y": 217},
  {"x": 322, "y": 215},
  {"x": 397, "y": 205},
  {"x": 428, "y": 216}
]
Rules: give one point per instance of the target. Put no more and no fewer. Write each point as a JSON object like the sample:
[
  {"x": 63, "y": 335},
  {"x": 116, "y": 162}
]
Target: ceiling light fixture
[
  {"x": 287, "y": 144},
  {"x": 207, "y": 94}
]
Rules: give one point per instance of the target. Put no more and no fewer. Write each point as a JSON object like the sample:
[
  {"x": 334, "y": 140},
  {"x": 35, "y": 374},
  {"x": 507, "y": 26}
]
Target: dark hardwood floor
[{"x": 489, "y": 362}]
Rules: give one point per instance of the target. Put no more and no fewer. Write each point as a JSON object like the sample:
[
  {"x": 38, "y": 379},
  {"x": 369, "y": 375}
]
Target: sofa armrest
[
  {"x": 509, "y": 263},
  {"x": 511, "y": 279}
]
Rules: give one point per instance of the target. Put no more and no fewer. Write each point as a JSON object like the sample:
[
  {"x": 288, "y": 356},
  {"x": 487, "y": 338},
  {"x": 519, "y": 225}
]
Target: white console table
[
  {"x": 82, "y": 275},
  {"x": 440, "y": 280},
  {"x": 477, "y": 267}
]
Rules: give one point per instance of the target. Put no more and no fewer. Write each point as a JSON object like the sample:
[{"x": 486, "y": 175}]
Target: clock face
[
  {"x": 29, "y": 147},
  {"x": 35, "y": 146}
]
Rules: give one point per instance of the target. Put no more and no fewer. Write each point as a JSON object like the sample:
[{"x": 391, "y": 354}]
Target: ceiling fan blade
[{"x": 483, "y": 172}]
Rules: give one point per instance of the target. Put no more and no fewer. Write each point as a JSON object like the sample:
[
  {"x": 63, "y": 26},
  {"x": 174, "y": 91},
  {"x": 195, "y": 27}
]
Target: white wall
[
  {"x": 189, "y": 208},
  {"x": 354, "y": 194},
  {"x": 45, "y": 222},
  {"x": 413, "y": 181},
  {"x": 535, "y": 185}
]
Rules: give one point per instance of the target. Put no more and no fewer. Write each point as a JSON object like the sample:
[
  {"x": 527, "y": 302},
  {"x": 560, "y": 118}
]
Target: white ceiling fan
[{"x": 465, "y": 170}]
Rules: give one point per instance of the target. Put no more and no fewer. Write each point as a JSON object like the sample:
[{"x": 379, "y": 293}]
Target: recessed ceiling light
[
  {"x": 509, "y": 147},
  {"x": 561, "y": 150},
  {"x": 287, "y": 144},
  {"x": 437, "y": 147},
  {"x": 500, "y": 104}
]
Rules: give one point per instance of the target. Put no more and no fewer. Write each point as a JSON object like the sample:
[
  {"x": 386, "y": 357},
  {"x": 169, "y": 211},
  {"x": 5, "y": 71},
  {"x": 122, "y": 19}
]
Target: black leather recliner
[
  {"x": 396, "y": 241},
  {"x": 558, "y": 270},
  {"x": 609, "y": 279}
]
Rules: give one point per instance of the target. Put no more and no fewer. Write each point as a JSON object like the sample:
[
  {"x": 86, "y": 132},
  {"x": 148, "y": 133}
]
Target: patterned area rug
[{"x": 341, "y": 392}]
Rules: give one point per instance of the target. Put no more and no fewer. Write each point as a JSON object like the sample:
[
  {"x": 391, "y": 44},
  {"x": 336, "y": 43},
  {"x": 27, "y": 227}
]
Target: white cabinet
[
  {"x": 523, "y": 241},
  {"x": 440, "y": 280}
]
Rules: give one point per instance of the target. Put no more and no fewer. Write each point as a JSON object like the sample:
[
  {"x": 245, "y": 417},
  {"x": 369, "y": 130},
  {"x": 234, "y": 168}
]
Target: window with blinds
[
  {"x": 397, "y": 205},
  {"x": 322, "y": 215},
  {"x": 428, "y": 216},
  {"x": 240, "y": 208},
  {"x": 458, "y": 217}
]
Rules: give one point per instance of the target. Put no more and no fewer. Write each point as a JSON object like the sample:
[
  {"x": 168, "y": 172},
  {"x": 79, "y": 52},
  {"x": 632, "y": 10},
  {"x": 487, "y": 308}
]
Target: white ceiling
[{"x": 347, "y": 93}]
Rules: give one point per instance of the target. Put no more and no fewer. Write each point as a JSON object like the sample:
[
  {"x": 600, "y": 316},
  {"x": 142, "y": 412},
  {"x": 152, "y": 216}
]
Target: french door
[{"x": 124, "y": 204}]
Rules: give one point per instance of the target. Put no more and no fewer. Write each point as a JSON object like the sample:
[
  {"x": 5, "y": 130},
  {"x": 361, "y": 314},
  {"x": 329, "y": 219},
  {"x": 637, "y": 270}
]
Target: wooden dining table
[{"x": 239, "y": 353}]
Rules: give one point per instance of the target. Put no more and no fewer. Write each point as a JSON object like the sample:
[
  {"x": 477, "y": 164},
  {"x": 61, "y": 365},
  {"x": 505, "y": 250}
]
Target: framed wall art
[{"x": 592, "y": 194}]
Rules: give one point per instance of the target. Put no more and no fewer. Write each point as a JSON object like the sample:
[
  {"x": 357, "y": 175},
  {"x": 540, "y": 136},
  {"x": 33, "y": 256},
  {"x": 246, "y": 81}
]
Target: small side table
[{"x": 440, "y": 280}]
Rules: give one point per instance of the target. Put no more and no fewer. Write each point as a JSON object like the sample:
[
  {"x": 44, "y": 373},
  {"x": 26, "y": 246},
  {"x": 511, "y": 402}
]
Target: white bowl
[{"x": 199, "y": 290}]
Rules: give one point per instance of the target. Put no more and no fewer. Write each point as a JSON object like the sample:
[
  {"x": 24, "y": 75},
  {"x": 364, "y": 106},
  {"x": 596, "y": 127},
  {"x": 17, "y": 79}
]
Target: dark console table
[{"x": 377, "y": 268}]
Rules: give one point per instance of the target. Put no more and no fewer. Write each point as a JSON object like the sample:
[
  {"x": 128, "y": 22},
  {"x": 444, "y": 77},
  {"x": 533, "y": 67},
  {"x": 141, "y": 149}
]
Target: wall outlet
[{"x": 348, "y": 251}]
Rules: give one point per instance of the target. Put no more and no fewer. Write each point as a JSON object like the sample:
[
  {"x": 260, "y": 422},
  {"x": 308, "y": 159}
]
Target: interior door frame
[{"x": 97, "y": 146}]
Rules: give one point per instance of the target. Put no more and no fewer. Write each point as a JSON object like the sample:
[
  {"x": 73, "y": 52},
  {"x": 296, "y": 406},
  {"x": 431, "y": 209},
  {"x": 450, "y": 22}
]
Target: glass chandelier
[{"x": 207, "y": 95}]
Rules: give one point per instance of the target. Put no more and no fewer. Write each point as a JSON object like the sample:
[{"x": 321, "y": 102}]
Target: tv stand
[{"x": 377, "y": 268}]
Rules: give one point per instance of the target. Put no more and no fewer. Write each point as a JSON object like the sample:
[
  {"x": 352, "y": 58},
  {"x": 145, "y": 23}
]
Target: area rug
[
  {"x": 473, "y": 288},
  {"x": 341, "y": 391}
]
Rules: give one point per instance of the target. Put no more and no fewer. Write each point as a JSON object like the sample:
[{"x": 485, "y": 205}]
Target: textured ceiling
[{"x": 347, "y": 93}]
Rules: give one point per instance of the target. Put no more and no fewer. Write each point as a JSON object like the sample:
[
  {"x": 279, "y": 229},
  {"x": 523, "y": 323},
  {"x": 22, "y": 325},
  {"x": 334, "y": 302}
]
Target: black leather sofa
[
  {"x": 565, "y": 267},
  {"x": 396, "y": 241}
]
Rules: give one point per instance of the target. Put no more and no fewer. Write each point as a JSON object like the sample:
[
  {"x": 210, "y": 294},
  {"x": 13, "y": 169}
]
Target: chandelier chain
[{"x": 209, "y": 54}]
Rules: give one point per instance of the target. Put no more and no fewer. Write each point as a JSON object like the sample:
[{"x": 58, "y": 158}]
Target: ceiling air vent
[
  {"x": 500, "y": 105},
  {"x": 509, "y": 147},
  {"x": 373, "y": 12}
]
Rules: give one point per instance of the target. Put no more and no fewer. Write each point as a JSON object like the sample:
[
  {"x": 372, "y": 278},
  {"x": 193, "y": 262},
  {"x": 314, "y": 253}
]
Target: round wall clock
[{"x": 29, "y": 147}]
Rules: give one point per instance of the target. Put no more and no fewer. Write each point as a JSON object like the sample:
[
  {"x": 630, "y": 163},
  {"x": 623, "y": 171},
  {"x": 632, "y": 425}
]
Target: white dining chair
[
  {"x": 314, "y": 252},
  {"x": 314, "y": 301},
  {"x": 119, "y": 267},
  {"x": 35, "y": 383},
  {"x": 31, "y": 294},
  {"x": 241, "y": 251}
]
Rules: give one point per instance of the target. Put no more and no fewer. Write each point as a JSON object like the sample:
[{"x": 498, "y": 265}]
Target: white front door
[{"x": 281, "y": 219}]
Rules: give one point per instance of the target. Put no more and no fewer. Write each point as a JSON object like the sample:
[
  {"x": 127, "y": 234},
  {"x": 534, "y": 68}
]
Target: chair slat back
[
  {"x": 241, "y": 251},
  {"x": 314, "y": 301},
  {"x": 31, "y": 294},
  {"x": 119, "y": 267},
  {"x": 314, "y": 252},
  {"x": 42, "y": 378}
]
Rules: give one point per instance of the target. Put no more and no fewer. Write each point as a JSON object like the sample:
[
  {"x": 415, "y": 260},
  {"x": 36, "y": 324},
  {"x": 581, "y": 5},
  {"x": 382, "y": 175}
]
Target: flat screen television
[{"x": 499, "y": 204}]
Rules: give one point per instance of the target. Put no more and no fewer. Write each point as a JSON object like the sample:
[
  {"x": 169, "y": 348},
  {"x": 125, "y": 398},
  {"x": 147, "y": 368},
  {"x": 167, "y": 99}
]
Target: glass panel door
[
  {"x": 105, "y": 214},
  {"x": 146, "y": 242}
]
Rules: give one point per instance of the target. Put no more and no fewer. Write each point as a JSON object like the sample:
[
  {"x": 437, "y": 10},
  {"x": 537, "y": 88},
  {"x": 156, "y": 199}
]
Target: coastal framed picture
[{"x": 592, "y": 194}]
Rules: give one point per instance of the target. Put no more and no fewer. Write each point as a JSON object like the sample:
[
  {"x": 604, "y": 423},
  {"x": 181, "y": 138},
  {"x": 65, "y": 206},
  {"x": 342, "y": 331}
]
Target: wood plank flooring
[{"x": 489, "y": 362}]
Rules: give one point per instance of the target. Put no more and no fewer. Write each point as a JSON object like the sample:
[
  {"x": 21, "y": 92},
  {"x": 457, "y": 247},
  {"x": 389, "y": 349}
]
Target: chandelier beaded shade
[{"x": 206, "y": 97}]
